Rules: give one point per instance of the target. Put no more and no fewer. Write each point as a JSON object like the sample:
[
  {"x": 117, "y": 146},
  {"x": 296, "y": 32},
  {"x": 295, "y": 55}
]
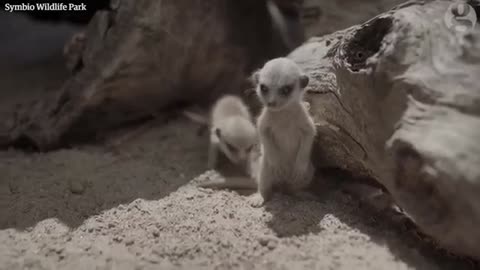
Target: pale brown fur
[
  {"x": 232, "y": 134},
  {"x": 232, "y": 130},
  {"x": 286, "y": 130}
]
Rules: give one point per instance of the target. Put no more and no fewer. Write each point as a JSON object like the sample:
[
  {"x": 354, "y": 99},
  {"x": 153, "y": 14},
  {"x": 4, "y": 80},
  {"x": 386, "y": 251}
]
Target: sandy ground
[
  {"x": 138, "y": 208},
  {"x": 89, "y": 208}
]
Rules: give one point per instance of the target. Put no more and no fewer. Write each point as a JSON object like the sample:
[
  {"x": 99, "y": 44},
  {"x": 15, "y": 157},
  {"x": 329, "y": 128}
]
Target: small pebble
[
  {"x": 268, "y": 241},
  {"x": 272, "y": 244},
  {"x": 118, "y": 239},
  {"x": 129, "y": 242},
  {"x": 263, "y": 240},
  {"x": 77, "y": 187}
]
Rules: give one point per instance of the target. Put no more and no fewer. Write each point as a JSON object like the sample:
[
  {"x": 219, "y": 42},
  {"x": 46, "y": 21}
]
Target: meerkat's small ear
[
  {"x": 304, "y": 80},
  {"x": 254, "y": 78}
]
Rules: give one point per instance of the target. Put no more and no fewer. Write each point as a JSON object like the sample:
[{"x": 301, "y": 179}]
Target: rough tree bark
[
  {"x": 325, "y": 17},
  {"x": 398, "y": 99},
  {"x": 145, "y": 56},
  {"x": 395, "y": 99}
]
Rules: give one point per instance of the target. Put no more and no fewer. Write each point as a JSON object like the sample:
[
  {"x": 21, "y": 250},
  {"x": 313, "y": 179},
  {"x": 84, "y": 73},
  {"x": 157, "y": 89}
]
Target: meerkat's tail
[
  {"x": 196, "y": 117},
  {"x": 230, "y": 183}
]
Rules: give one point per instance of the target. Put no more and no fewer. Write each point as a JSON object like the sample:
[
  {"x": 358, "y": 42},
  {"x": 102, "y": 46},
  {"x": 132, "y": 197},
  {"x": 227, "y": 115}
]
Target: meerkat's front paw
[{"x": 256, "y": 200}]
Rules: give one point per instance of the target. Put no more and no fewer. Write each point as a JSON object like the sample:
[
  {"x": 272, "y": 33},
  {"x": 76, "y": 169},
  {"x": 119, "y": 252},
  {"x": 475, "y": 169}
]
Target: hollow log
[{"x": 398, "y": 99}]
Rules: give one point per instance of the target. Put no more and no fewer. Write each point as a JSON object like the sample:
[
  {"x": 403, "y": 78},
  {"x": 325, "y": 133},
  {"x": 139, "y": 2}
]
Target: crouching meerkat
[
  {"x": 233, "y": 136},
  {"x": 232, "y": 130},
  {"x": 286, "y": 130}
]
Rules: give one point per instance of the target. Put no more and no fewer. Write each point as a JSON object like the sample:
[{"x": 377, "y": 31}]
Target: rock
[
  {"x": 268, "y": 241},
  {"x": 77, "y": 186}
]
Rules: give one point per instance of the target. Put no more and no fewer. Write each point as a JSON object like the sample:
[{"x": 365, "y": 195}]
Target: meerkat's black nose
[{"x": 271, "y": 103}]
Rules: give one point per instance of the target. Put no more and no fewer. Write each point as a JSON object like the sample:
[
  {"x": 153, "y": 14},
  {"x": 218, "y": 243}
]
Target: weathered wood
[
  {"x": 145, "y": 56},
  {"x": 322, "y": 17},
  {"x": 395, "y": 99},
  {"x": 398, "y": 99}
]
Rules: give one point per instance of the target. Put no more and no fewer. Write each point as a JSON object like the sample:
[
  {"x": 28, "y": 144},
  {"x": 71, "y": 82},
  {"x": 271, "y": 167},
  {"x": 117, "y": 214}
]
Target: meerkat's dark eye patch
[
  {"x": 286, "y": 90},
  {"x": 263, "y": 89},
  {"x": 231, "y": 148},
  {"x": 304, "y": 80}
]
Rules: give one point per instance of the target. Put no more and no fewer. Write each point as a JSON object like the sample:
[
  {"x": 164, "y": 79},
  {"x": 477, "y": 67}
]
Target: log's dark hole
[{"x": 366, "y": 42}]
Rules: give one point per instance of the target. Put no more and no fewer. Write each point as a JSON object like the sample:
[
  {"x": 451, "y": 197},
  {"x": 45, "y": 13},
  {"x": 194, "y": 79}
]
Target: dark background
[{"x": 30, "y": 37}]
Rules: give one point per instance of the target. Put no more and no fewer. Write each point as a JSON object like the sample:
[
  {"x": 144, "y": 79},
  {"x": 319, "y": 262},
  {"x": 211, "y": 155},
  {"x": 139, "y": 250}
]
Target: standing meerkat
[{"x": 286, "y": 130}]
